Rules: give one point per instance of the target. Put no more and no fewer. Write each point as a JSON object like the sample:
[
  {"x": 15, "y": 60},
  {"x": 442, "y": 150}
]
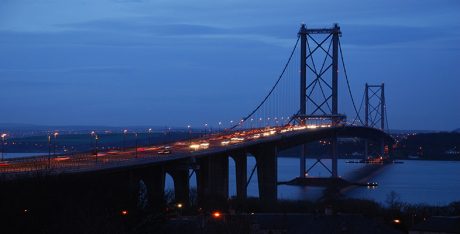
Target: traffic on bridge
[{"x": 97, "y": 160}]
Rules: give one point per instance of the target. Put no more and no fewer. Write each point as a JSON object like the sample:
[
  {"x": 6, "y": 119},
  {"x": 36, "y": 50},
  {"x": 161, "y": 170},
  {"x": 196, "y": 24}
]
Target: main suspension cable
[
  {"x": 272, "y": 89},
  {"x": 348, "y": 83}
]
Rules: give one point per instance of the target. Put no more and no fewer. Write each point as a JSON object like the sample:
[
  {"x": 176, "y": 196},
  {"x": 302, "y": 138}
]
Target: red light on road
[
  {"x": 124, "y": 212},
  {"x": 216, "y": 214},
  {"x": 61, "y": 158}
]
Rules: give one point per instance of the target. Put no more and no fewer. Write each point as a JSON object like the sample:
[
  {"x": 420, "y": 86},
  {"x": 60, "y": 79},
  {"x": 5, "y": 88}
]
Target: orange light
[
  {"x": 124, "y": 212},
  {"x": 216, "y": 214},
  {"x": 62, "y": 158},
  {"x": 396, "y": 221}
]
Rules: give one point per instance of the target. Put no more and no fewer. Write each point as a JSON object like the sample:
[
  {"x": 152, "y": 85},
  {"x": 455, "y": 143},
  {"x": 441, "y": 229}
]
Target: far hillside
[{"x": 442, "y": 145}]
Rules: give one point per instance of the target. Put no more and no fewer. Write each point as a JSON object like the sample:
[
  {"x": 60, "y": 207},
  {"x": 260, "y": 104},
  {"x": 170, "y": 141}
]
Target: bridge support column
[
  {"x": 303, "y": 155},
  {"x": 241, "y": 167},
  {"x": 382, "y": 147},
  {"x": 181, "y": 185},
  {"x": 212, "y": 180},
  {"x": 154, "y": 181},
  {"x": 334, "y": 156},
  {"x": 267, "y": 172},
  {"x": 366, "y": 149}
]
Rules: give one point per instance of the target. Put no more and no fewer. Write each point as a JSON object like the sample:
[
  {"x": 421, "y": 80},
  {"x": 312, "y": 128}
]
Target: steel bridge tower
[
  {"x": 324, "y": 108},
  {"x": 375, "y": 112}
]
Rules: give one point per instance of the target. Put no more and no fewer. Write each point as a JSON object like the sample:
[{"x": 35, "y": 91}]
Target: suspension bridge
[{"x": 301, "y": 107}]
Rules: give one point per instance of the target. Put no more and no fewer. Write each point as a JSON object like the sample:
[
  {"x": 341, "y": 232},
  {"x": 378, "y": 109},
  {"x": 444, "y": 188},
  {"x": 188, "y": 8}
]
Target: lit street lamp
[
  {"x": 91, "y": 144},
  {"x": 3, "y": 144},
  {"x": 124, "y": 139},
  {"x": 168, "y": 137},
  {"x": 149, "y": 136},
  {"x": 49, "y": 150},
  {"x": 96, "y": 137},
  {"x": 135, "y": 134},
  {"x": 189, "y": 132},
  {"x": 55, "y": 136}
]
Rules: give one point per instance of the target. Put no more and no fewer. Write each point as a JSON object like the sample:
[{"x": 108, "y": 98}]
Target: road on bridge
[{"x": 151, "y": 154}]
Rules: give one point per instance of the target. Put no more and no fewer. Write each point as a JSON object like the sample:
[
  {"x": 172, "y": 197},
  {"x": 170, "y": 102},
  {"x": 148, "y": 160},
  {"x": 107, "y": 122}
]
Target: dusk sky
[{"x": 158, "y": 62}]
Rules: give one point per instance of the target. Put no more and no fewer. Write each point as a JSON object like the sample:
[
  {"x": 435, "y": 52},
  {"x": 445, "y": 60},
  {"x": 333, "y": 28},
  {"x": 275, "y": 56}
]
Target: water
[
  {"x": 429, "y": 182},
  {"x": 21, "y": 155}
]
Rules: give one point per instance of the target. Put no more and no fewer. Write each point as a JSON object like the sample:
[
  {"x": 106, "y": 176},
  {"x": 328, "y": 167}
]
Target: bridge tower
[
  {"x": 322, "y": 107},
  {"x": 374, "y": 113}
]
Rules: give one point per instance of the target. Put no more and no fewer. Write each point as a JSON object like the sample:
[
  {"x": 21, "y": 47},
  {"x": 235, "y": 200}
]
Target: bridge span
[{"x": 209, "y": 161}]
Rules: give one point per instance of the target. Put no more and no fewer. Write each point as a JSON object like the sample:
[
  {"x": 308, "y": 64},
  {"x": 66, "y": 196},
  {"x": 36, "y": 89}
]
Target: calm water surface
[
  {"x": 21, "y": 155},
  {"x": 430, "y": 182}
]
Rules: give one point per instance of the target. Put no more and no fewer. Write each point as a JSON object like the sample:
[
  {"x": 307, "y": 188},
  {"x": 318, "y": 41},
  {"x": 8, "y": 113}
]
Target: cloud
[
  {"x": 143, "y": 26},
  {"x": 368, "y": 35},
  {"x": 73, "y": 70}
]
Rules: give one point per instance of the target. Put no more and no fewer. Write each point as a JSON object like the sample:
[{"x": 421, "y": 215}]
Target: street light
[
  {"x": 135, "y": 134},
  {"x": 49, "y": 150},
  {"x": 220, "y": 124},
  {"x": 189, "y": 132},
  {"x": 205, "y": 128},
  {"x": 149, "y": 136},
  {"x": 167, "y": 135},
  {"x": 91, "y": 144},
  {"x": 96, "y": 137},
  {"x": 3, "y": 144},
  {"x": 124, "y": 139},
  {"x": 216, "y": 214},
  {"x": 55, "y": 136}
]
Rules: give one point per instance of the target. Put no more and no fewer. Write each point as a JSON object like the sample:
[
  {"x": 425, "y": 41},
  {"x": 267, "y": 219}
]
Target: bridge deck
[{"x": 283, "y": 137}]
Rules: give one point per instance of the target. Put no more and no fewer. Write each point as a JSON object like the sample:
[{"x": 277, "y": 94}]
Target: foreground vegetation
[{"x": 47, "y": 206}]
